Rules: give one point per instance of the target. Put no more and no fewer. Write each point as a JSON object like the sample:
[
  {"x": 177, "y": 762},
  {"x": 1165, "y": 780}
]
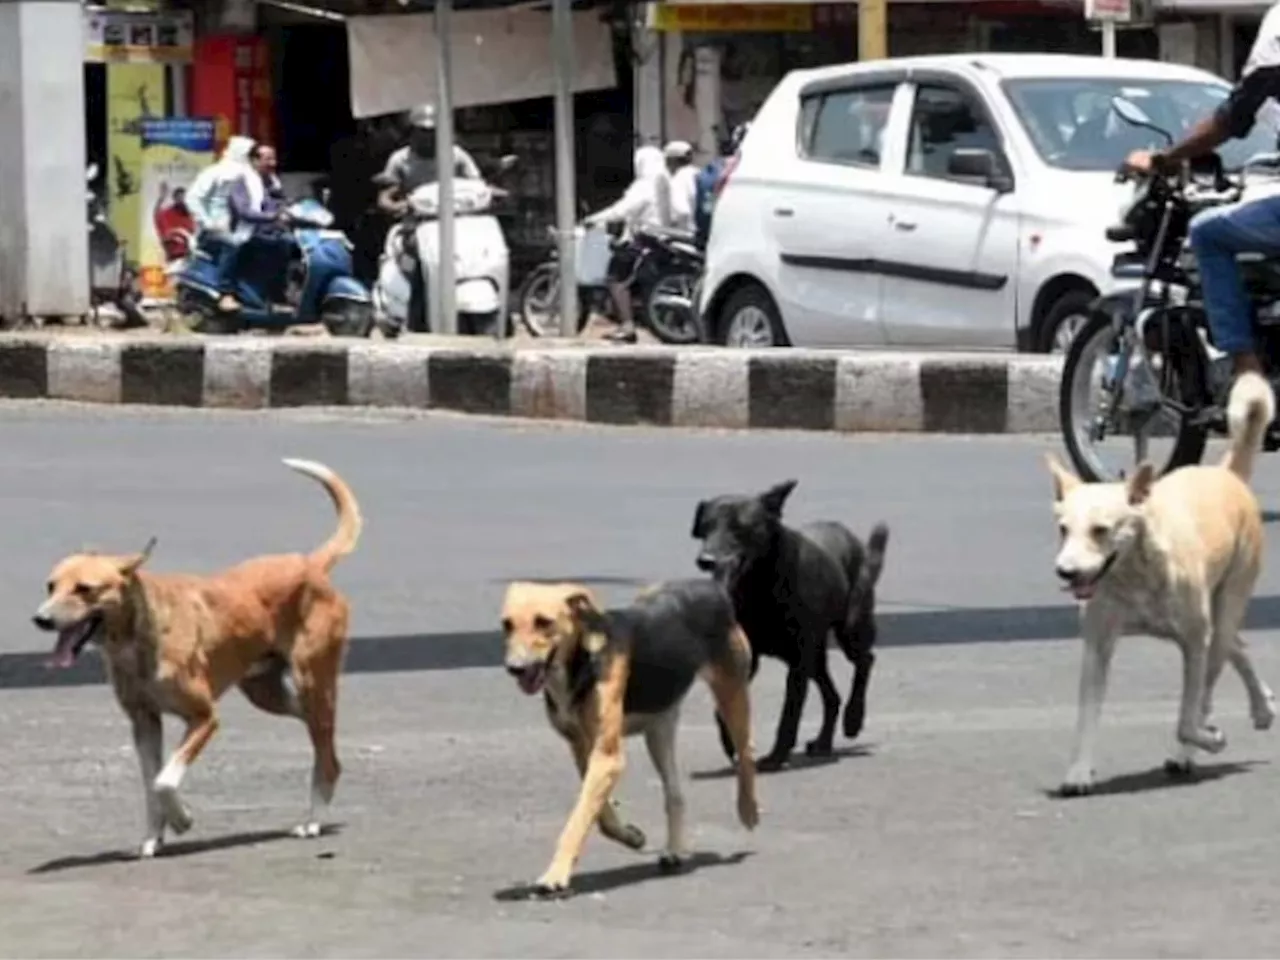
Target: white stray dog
[{"x": 1176, "y": 558}]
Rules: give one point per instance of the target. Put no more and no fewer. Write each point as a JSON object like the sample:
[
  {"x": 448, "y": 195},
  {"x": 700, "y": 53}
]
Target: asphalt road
[{"x": 933, "y": 836}]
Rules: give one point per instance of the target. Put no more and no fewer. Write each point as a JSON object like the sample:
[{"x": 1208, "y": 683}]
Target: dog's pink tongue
[{"x": 63, "y": 656}]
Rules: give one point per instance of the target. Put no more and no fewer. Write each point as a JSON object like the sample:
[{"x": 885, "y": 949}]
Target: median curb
[{"x": 662, "y": 386}]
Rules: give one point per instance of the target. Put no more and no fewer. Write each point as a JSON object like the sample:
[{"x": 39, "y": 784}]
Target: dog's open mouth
[
  {"x": 73, "y": 640},
  {"x": 1084, "y": 588},
  {"x": 532, "y": 677}
]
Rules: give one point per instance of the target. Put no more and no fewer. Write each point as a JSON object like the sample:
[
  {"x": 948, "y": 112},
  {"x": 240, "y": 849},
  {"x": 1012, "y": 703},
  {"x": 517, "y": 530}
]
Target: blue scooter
[{"x": 306, "y": 279}]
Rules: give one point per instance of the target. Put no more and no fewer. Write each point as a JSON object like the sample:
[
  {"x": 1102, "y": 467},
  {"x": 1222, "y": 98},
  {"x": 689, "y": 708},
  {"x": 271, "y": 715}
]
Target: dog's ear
[
  {"x": 1139, "y": 485},
  {"x": 590, "y": 620},
  {"x": 699, "y": 531},
  {"x": 131, "y": 565},
  {"x": 773, "y": 498},
  {"x": 1064, "y": 481}
]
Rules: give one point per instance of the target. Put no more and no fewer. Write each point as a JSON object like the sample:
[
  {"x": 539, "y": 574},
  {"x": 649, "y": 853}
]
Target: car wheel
[
  {"x": 750, "y": 319},
  {"x": 1063, "y": 320}
]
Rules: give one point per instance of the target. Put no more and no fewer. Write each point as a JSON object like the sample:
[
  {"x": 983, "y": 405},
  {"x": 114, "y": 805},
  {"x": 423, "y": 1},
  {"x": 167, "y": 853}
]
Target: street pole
[
  {"x": 566, "y": 214},
  {"x": 1109, "y": 39},
  {"x": 873, "y": 29},
  {"x": 444, "y": 280}
]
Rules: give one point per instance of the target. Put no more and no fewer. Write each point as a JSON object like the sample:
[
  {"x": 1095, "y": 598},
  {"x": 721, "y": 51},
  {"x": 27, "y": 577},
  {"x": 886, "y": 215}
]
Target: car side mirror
[{"x": 979, "y": 166}]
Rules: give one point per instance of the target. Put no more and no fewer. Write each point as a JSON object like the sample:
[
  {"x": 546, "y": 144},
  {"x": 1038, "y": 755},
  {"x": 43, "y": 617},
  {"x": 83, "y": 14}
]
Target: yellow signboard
[
  {"x": 135, "y": 92},
  {"x": 732, "y": 17}
]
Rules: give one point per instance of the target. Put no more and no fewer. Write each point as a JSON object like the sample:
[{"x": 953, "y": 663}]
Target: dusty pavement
[{"x": 933, "y": 836}]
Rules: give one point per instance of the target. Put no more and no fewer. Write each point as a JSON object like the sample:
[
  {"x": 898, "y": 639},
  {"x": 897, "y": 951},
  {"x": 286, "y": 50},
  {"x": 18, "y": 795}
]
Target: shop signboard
[
  {"x": 731, "y": 17},
  {"x": 138, "y": 36}
]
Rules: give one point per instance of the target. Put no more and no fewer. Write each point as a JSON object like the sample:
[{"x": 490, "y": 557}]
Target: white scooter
[{"x": 412, "y": 252}]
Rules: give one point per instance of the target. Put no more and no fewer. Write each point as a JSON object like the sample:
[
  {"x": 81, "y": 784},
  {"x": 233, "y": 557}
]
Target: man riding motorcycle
[
  {"x": 209, "y": 200},
  {"x": 409, "y": 168},
  {"x": 1219, "y": 234}
]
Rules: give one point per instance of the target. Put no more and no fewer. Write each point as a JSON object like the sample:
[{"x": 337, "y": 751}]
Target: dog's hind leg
[
  {"x": 1262, "y": 702},
  {"x": 820, "y": 746},
  {"x": 857, "y": 640},
  {"x": 726, "y": 739},
  {"x": 317, "y": 663},
  {"x": 660, "y": 738},
  {"x": 148, "y": 741},
  {"x": 267, "y": 689},
  {"x": 731, "y": 691}
]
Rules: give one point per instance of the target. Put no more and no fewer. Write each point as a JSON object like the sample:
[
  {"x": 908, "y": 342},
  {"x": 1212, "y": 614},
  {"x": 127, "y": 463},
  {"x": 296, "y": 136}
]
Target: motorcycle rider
[
  {"x": 257, "y": 201},
  {"x": 684, "y": 184},
  {"x": 646, "y": 203},
  {"x": 1217, "y": 235},
  {"x": 208, "y": 199},
  {"x": 415, "y": 163}
]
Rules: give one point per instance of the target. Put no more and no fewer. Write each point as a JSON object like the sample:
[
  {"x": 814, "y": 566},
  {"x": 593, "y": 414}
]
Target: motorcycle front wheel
[
  {"x": 540, "y": 302},
  {"x": 1108, "y": 433}
]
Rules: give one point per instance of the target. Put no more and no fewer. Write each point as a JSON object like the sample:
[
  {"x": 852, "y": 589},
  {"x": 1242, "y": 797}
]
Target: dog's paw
[
  {"x": 176, "y": 813},
  {"x": 1265, "y": 714},
  {"x": 1208, "y": 738},
  {"x": 748, "y": 811},
  {"x": 670, "y": 863},
  {"x": 632, "y": 836},
  {"x": 150, "y": 847},
  {"x": 551, "y": 885},
  {"x": 1077, "y": 783},
  {"x": 306, "y": 831},
  {"x": 1179, "y": 768},
  {"x": 853, "y": 721},
  {"x": 818, "y": 748},
  {"x": 772, "y": 762}
]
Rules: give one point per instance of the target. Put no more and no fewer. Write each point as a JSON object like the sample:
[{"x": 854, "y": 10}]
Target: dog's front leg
[
  {"x": 148, "y": 742},
  {"x": 1099, "y": 645},
  {"x": 167, "y": 785},
  {"x": 798, "y": 676},
  {"x": 602, "y": 720}
]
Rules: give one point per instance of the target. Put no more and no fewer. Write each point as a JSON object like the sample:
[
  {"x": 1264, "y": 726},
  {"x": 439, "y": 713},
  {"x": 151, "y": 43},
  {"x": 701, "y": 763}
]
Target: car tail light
[{"x": 723, "y": 180}]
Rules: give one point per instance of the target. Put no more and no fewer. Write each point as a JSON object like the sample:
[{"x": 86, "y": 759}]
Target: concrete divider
[{"x": 692, "y": 386}]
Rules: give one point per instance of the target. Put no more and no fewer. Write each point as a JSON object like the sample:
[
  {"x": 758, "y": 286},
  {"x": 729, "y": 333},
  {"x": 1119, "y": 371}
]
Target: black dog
[{"x": 791, "y": 588}]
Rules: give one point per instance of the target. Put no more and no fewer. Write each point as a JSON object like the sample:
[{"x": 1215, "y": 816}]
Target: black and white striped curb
[{"x": 694, "y": 387}]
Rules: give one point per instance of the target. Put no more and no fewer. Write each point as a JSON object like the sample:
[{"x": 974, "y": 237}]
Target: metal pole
[
  {"x": 1109, "y": 39},
  {"x": 445, "y": 282},
  {"x": 566, "y": 215}
]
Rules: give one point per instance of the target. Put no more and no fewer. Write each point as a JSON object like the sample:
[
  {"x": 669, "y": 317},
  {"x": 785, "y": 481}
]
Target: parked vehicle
[
  {"x": 1143, "y": 368},
  {"x": 113, "y": 278},
  {"x": 308, "y": 281},
  {"x": 664, "y": 293},
  {"x": 410, "y": 260},
  {"x": 952, "y": 201}
]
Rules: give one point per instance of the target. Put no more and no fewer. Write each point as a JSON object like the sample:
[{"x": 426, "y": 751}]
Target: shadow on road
[
  {"x": 799, "y": 761},
  {"x": 483, "y": 648},
  {"x": 1158, "y": 778},
  {"x": 176, "y": 848},
  {"x": 602, "y": 881}
]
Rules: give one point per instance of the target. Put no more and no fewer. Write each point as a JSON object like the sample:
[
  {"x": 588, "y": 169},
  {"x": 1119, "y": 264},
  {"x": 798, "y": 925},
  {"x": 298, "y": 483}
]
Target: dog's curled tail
[
  {"x": 350, "y": 522},
  {"x": 1250, "y": 410}
]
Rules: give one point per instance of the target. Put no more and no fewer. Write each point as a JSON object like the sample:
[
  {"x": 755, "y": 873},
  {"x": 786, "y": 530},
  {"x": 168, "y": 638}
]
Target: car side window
[
  {"x": 846, "y": 126},
  {"x": 943, "y": 120}
]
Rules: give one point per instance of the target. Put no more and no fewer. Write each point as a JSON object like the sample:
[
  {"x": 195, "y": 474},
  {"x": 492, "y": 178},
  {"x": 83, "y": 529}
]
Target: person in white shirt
[
  {"x": 684, "y": 184},
  {"x": 647, "y": 203}
]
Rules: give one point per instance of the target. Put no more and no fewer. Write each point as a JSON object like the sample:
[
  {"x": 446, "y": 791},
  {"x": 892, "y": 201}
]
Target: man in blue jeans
[{"x": 1219, "y": 234}]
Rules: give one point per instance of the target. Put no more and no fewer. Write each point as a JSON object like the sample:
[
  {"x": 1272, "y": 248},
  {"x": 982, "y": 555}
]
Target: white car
[{"x": 955, "y": 201}]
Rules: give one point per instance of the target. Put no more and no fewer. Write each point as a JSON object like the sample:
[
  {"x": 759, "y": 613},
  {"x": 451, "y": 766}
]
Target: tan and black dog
[
  {"x": 608, "y": 675},
  {"x": 175, "y": 643}
]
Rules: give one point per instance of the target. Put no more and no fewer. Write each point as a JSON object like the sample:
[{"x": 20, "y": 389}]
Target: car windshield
[{"x": 1072, "y": 124}]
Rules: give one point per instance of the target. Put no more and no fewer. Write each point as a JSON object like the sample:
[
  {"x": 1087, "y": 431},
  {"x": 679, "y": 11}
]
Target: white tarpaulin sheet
[{"x": 498, "y": 56}]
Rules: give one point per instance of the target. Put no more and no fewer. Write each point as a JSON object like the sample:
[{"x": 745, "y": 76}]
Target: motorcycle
[
  {"x": 1147, "y": 351},
  {"x": 410, "y": 260},
  {"x": 665, "y": 290},
  {"x": 113, "y": 279},
  {"x": 304, "y": 281}
]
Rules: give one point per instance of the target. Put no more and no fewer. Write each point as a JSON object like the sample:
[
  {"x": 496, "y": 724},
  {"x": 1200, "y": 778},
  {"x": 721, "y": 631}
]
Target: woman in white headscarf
[
  {"x": 646, "y": 204},
  {"x": 209, "y": 199}
]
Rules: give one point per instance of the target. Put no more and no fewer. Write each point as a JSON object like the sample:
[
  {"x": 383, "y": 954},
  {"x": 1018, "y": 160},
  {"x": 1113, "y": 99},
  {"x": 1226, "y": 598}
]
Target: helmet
[
  {"x": 678, "y": 150},
  {"x": 423, "y": 117}
]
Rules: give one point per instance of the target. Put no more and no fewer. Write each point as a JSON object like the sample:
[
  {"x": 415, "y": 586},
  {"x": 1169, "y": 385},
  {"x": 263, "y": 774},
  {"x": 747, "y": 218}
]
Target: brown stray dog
[
  {"x": 605, "y": 676},
  {"x": 174, "y": 643}
]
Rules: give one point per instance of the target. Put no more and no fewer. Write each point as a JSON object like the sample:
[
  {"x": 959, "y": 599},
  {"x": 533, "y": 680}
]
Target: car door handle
[
  {"x": 904, "y": 226},
  {"x": 783, "y": 212}
]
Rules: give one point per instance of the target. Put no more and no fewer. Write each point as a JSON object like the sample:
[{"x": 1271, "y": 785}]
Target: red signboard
[{"x": 231, "y": 82}]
